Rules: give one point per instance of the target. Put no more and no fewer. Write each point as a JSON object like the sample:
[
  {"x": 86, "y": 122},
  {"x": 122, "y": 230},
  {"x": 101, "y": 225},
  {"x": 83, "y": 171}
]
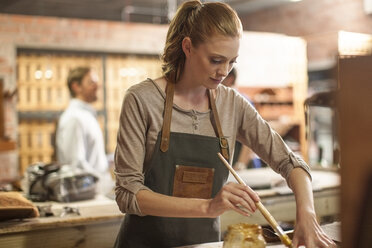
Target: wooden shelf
[
  {"x": 282, "y": 106},
  {"x": 45, "y": 115}
]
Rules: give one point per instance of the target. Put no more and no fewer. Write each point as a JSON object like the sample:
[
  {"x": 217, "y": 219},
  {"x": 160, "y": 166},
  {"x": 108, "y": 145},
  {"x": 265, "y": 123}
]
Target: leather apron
[{"x": 182, "y": 165}]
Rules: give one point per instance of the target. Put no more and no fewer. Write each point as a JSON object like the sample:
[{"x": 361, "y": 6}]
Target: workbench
[
  {"x": 333, "y": 230},
  {"x": 100, "y": 219},
  {"x": 220, "y": 245},
  {"x": 96, "y": 226}
]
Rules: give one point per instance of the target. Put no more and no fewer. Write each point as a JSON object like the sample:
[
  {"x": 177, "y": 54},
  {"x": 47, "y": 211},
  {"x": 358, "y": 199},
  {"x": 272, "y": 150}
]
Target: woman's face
[{"x": 210, "y": 62}]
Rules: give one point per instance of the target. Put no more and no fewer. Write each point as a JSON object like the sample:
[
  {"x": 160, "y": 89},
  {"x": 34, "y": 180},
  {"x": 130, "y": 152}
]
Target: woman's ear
[{"x": 186, "y": 46}]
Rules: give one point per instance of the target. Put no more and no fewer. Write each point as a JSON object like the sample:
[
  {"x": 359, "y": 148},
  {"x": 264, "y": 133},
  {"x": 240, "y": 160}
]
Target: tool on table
[
  {"x": 70, "y": 211},
  {"x": 272, "y": 237},
  {"x": 45, "y": 210},
  {"x": 283, "y": 237}
]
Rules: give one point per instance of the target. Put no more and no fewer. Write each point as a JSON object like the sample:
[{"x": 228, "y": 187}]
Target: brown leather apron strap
[
  {"x": 165, "y": 134},
  {"x": 169, "y": 92},
  {"x": 224, "y": 144}
]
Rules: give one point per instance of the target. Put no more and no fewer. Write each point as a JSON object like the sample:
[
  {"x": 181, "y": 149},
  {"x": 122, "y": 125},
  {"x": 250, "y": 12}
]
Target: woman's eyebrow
[{"x": 223, "y": 57}]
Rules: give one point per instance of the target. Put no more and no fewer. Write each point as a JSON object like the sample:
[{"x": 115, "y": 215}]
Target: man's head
[{"x": 83, "y": 84}]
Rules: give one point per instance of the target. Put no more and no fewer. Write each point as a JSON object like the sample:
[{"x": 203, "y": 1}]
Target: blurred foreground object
[
  {"x": 14, "y": 206},
  {"x": 59, "y": 183},
  {"x": 354, "y": 106},
  {"x": 321, "y": 117}
]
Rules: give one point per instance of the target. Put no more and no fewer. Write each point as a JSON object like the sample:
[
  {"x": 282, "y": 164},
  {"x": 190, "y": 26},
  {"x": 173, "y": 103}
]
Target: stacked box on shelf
[
  {"x": 121, "y": 73},
  {"x": 42, "y": 81},
  {"x": 272, "y": 103},
  {"x": 35, "y": 143}
]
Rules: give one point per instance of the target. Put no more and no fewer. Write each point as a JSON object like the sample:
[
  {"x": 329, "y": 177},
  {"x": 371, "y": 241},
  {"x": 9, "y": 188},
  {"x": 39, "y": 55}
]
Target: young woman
[{"x": 170, "y": 181}]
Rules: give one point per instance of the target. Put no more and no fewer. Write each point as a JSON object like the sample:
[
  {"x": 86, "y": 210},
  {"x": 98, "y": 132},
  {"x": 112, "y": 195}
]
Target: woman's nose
[{"x": 224, "y": 70}]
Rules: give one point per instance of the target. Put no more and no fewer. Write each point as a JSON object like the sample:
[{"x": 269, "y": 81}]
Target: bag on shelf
[{"x": 62, "y": 183}]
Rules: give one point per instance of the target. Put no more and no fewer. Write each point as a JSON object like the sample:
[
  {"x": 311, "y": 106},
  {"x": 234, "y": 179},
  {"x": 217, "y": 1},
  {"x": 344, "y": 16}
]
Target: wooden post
[
  {"x": 2, "y": 121},
  {"x": 355, "y": 115}
]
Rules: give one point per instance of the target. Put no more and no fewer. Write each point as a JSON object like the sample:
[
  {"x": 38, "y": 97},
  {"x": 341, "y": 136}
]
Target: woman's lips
[{"x": 217, "y": 81}]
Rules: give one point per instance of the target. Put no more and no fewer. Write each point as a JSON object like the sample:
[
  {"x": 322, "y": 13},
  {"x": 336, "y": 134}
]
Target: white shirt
[{"x": 80, "y": 141}]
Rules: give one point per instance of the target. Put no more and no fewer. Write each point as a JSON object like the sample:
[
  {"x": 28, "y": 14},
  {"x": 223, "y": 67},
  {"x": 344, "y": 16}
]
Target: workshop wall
[
  {"x": 18, "y": 31},
  {"x": 317, "y": 21}
]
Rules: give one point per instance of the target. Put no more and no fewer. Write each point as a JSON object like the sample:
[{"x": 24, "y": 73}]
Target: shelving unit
[
  {"x": 272, "y": 71},
  {"x": 271, "y": 103},
  {"x": 43, "y": 95},
  {"x": 277, "y": 106}
]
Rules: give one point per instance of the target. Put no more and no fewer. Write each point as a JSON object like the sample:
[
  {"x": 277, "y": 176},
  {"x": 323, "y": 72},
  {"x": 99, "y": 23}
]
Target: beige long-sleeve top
[{"x": 141, "y": 120}]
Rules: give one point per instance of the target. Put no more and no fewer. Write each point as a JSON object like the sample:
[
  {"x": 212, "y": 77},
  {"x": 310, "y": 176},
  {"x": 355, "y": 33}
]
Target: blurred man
[{"x": 79, "y": 137}]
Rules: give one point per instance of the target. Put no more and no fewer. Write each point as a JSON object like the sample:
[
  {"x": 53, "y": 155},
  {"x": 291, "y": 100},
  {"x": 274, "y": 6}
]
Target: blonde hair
[
  {"x": 199, "y": 22},
  {"x": 76, "y": 75}
]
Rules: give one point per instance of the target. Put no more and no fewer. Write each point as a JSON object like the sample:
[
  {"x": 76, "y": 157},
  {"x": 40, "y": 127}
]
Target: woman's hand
[
  {"x": 233, "y": 196},
  {"x": 307, "y": 230},
  {"x": 309, "y": 234}
]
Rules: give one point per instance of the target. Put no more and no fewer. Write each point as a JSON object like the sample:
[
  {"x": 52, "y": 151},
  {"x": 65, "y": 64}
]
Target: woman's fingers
[
  {"x": 237, "y": 208},
  {"x": 234, "y": 196},
  {"x": 241, "y": 195},
  {"x": 317, "y": 239},
  {"x": 294, "y": 242},
  {"x": 325, "y": 242},
  {"x": 242, "y": 211}
]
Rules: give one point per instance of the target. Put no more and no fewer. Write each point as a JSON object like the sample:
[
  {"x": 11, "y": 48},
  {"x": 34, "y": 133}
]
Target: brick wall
[
  {"x": 18, "y": 31},
  {"x": 317, "y": 21}
]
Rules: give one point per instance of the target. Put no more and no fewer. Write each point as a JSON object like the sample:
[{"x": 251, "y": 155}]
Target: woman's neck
[
  {"x": 190, "y": 96},
  {"x": 187, "y": 95}
]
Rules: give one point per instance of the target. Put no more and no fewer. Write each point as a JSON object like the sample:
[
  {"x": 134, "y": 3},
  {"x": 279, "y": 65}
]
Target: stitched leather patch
[
  {"x": 194, "y": 177},
  {"x": 193, "y": 182}
]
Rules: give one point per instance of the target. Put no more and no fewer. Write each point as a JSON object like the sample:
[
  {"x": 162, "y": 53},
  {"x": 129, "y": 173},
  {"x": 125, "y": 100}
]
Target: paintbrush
[{"x": 283, "y": 237}]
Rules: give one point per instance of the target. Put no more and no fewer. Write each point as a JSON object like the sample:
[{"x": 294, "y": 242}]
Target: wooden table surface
[
  {"x": 333, "y": 230},
  {"x": 96, "y": 226},
  {"x": 220, "y": 245}
]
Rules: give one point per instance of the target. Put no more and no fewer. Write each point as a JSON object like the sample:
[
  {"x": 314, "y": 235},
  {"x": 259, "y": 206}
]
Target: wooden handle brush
[{"x": 283, "y": 237}]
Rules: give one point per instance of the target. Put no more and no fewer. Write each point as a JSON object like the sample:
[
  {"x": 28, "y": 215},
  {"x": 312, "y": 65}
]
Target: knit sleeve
[
  {"x": 257, "y": 134},
  {"x": 130, "y": 154}
]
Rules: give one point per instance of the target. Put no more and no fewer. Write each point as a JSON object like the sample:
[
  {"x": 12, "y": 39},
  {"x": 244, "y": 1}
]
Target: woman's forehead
[{"x": 222, "y": 45}]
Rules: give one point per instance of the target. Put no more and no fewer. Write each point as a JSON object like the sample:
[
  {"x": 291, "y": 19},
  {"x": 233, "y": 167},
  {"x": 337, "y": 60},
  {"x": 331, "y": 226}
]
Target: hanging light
[
  {"x": 48, "y": 74},
  {"x": 38, "y": 74}
]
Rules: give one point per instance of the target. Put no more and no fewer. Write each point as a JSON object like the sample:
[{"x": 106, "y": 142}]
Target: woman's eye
[{"x": 215, "y": 61}]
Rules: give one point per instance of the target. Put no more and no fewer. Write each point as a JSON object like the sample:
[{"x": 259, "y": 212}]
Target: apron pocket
[{"x": 193, "y": 182}]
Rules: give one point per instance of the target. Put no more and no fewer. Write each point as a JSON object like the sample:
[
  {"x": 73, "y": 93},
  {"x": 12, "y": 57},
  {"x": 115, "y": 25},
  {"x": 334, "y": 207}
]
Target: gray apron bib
[{"x": 181, "y": 163}]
